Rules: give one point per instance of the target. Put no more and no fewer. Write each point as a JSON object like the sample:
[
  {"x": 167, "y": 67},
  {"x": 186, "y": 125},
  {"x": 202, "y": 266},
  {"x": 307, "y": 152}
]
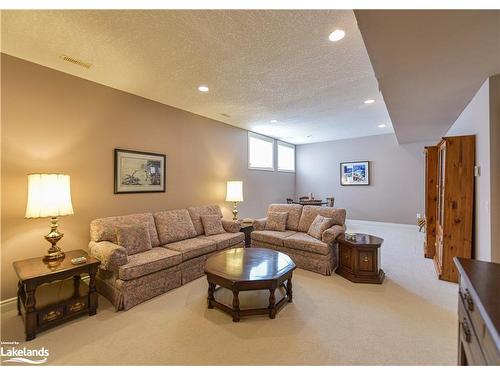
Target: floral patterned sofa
[
  {"x": 161, "y": 251},
  {"x": 310, "y": 253}
]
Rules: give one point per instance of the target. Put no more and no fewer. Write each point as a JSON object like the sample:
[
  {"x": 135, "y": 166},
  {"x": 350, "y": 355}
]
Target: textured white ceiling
[{"x": 259, "y": 65}]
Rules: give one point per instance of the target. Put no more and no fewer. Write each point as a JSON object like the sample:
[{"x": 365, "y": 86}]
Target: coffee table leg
[
  {"x": 236, "y": 306},
  {"x": 289, "y": 292},
  {"x": 272, "y": 304},
  {"x": 211, "y": 290}
]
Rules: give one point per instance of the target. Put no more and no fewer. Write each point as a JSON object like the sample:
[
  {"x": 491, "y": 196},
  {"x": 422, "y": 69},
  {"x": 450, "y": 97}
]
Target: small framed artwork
[
  {"x": 139, "y": 172},
  {"x": 355, "y": 173}
]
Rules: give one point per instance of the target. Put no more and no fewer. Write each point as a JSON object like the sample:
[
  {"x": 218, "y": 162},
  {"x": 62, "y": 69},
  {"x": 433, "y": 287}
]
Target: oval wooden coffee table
[{"x": 249, "y": 269}]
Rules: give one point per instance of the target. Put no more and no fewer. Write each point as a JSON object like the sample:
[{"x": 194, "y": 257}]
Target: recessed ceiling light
[
  {"x": 381, "y": 126},
  {"x": 274, "y": 121},
  {"x": 336, "y": 35},
  {"x": 369, "y": 101},
  {"x": 203, "y": 88}
]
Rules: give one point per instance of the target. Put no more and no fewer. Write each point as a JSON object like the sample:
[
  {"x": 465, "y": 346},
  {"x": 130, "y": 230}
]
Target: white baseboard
[
  {"x": 11, "y": 303},
  {"x": 8, "y": 304},
  {"x": 381, "y": 223}
]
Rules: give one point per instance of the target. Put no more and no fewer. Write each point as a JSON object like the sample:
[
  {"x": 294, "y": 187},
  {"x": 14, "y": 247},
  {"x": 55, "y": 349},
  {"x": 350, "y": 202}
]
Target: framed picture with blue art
[
  {"x": 139, "y": 172},
  {"x": 355, "y": 173}
]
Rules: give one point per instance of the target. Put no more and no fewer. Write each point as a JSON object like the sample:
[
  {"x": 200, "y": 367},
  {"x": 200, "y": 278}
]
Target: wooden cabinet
[
  {"x": 431, "y": 176},
  {"x": 455, "y": 203},
  {"x": 478, "y": 313}
]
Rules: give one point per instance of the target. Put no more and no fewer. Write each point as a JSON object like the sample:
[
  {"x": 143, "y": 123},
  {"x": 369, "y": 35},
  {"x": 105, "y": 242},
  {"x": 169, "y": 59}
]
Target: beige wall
[
  {"x": 54, "y": 122},
  {"x": 396, "y": 190},
  {"x": 475, "y": 119},
  {"x": 482, "y": 118}
]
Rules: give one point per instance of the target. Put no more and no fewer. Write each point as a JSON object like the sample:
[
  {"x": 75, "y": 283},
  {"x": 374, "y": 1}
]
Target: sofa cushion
[
  {"x": 319, "y": 225},
  {"x": 193, "y": 247},
  {"x": 225, "y": 240},
  {"x": 309, "y": 213},
  {"x": 134, "y": 238},
  {"x": 212, "y": 224},
  {"x": 174, "y": 225},
  {"x": 276, "y": 221},
  {"x": 104, "y": 229},
  {"x": 272, "y": 237},
  {"x": 294, "y": 211},
  {"x": 304, "y": 242},
  {"x": 196, "y": 212},
  {"x": 156, "y": 259}
]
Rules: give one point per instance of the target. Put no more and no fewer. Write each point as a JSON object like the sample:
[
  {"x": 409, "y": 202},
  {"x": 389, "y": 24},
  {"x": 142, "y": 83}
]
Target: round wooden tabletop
[{"x": 249, "y": 264}]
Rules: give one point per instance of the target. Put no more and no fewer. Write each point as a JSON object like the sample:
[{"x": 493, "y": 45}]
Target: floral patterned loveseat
[{"x": 310, "y": 253}]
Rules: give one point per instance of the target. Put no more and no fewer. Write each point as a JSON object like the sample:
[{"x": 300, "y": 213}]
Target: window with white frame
[
  {"x": 260, "y": 152},
  {"x": 286, "y": 157}
]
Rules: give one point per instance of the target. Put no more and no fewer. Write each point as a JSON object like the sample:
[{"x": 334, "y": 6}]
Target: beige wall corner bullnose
[{"x": 495, "y": 166}]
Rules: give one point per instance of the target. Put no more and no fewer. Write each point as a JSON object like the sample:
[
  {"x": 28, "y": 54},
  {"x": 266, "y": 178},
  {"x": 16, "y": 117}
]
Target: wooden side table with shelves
[
  {"x": 52, "y": 293},
  {"x": 247, "y": 228}
]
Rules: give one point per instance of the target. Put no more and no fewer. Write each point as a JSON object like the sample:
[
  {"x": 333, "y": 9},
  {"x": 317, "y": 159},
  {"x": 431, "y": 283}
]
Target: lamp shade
[
  {"x": 234, "y": 191},
  {"x": 49, "y": 195}
]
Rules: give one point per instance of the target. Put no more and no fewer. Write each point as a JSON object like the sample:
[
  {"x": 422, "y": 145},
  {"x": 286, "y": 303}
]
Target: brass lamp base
[
  {"x": 235, "y": 211},
  {"x": 54, "y": 253}
]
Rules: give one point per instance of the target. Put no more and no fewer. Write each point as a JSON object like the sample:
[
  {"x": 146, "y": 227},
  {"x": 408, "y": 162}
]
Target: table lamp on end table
[
  {"x": 234, "y": 194},
  {"x": 49, "y": 195}
]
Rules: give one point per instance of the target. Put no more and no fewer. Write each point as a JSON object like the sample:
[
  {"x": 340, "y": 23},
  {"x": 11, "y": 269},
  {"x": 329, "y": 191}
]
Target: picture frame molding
[
  {"x": 368, "y": 163},
  {"x": 115, "y": 174}
]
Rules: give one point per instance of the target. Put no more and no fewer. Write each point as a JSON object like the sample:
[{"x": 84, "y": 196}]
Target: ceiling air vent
[{"x": 75, "y": 61}]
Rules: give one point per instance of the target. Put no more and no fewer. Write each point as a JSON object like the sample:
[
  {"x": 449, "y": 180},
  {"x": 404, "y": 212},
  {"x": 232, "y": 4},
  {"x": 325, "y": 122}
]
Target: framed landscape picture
[
  {"x": 355, "y": 173},
  {"x": 139, "y": 172}
]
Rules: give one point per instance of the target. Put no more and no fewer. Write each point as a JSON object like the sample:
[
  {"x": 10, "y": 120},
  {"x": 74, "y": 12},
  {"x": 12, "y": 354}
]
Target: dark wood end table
[
  {"x": 359, "y": 260},
  {"x": 247, "y": 229},
  {"x": 66, "y": 297},
  {"x": 249, "y": 269}
]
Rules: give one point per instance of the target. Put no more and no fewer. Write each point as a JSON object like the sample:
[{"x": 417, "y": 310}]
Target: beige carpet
[{"x": 409, "y": 320}]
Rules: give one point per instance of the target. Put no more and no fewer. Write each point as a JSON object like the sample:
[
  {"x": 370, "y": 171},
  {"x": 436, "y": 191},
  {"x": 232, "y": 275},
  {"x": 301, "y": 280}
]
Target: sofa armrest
[
  {"x": 259, "y": 224},
  {"x": 330, "y": 235},
  {"x": 110, "y": 254},
  {"x": 231, "y": 226}
]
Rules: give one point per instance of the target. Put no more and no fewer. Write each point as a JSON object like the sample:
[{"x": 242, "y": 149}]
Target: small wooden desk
[
  {"x": 310, "y": 203},
  {"x": 62, "y": 297}
]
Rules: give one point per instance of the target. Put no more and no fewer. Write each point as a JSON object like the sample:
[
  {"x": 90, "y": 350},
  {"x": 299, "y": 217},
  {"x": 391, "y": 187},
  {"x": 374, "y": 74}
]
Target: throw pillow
[
  {"x": 134, "y": 238},
  {"x": 276, "y": 221},
  {"x": 212, "y": 224},
  {"x": 174, "y": 225},
  {"x": 319, "y": 225}
]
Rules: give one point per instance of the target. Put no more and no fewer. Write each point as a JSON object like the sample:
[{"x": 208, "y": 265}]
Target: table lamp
[
  {"x": 234, "y": 193},
  {"x": 49, "y": 195}
]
